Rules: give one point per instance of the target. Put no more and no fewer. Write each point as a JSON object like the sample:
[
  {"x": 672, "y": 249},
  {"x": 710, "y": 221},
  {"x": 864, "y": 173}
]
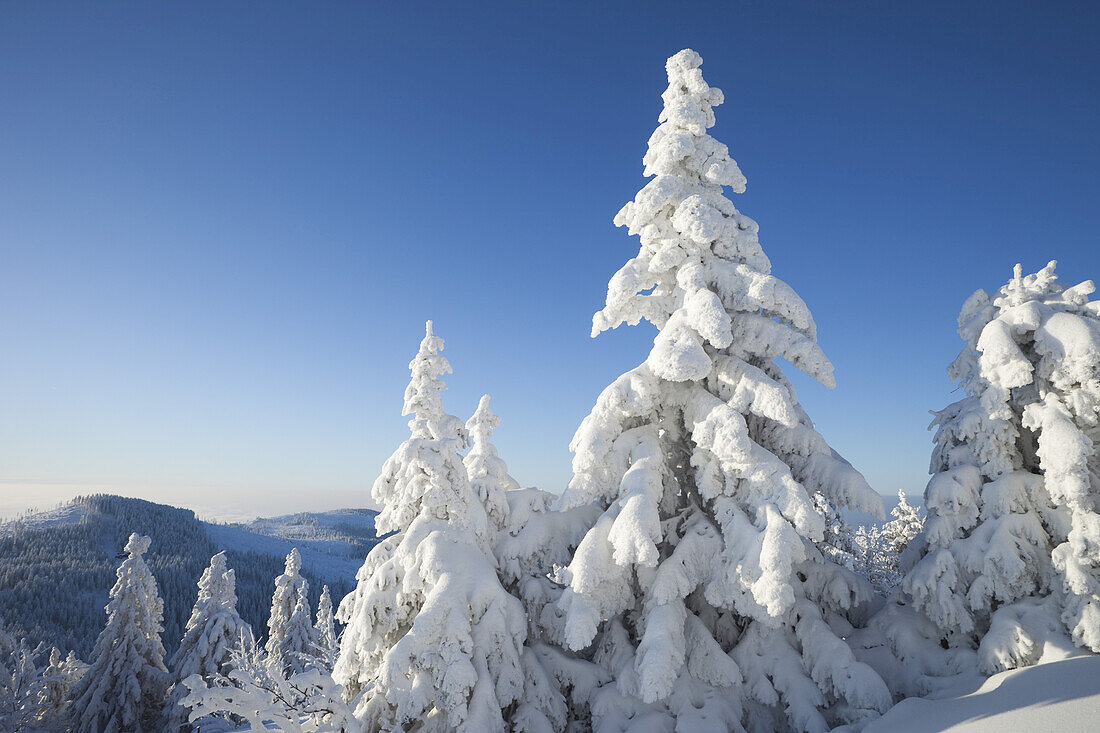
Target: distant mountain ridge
[{"x": 57, "y": 566}]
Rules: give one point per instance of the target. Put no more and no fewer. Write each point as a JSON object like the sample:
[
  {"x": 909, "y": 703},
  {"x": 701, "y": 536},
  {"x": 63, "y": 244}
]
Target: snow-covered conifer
[
  {"x": 431, "y": 635},
  {"x": 534, "y": 542},
  {"x": 123, "y": 687},
  {"x": 878, "y": 549},
  {"x": 324, "y": 632},
  {"x": 902, "y": 529},
  {"x": 266, "y": 697},
  {"x": 488, "y": 473},
  {"x": 58, "y": 680},
  {"x": 873, "y": 561},
  {"x": 289, "y": 628},
  {"x": 211, "y": 634},
  {"x": 1012, "y": 505},
  {"x": 24, "y": 704},
  {"x": 530, "y": 541},
  {"x": 702, "y": 587}
]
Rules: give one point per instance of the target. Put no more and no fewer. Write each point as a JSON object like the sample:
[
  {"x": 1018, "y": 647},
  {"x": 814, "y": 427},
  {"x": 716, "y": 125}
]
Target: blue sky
[{"x": 222, "y": 226}]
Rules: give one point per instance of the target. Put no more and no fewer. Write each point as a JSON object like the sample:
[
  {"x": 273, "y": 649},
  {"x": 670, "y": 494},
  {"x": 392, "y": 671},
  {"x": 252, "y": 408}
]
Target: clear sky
[{"x": 222, "y": 225}]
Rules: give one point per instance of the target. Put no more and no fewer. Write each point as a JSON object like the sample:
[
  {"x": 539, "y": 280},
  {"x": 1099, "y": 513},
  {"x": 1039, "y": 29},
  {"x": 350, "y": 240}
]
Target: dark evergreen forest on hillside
[{"x": 54, "y": 580}]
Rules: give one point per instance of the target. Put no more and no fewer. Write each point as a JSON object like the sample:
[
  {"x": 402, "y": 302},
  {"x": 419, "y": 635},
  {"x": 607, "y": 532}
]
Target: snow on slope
[
  {"x": 58, "y": 565},
  {"x": 351, "y": 522},
  {"x": 1061, "y": 693},
  {"x": 333, "y": 543},
  {"x": 70, "y": 513},
  {"x": 330, "y": 559}
]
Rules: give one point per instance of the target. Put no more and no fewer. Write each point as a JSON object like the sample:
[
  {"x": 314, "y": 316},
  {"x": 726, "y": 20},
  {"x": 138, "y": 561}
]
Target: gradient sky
[{"x": 222, "y": 225}]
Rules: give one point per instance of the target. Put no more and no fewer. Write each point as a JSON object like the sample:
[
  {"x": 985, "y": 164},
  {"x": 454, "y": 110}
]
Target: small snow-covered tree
[
  {"x": 24, "y": 703},
  {"x": 327, "y": 647},
  {"x": 266, "y": 697},
  {"x": 212, "y": 632},
  {"x": 487, "y": 471},
  {"x": 907, "y": 523},
  {"x": 300, "y": 634},
  {"x": 529, "y": 541},
  {"x": 123, "y": 687},
  {"x": 1012, "y": 505},
  {"x": 878, "y": 549},
  {"x": 702, "y": 588},
  {"x": 873, "y": 561},
  {"x": 289, "y": 628},
  {"x": 430, "y": 634},
  {"x": 58, "y": 680}
]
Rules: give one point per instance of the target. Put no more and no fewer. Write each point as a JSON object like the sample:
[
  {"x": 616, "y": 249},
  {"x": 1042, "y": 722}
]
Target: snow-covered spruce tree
[
  {"x": 1012, "y": 538},
  {"x": 58, "y": 680},
  {"x": 123, "y": 687},
  {"x": 879, "y": 549},
  {"x": 24, "y": 702},
  {"x": 534, "y": 544},
  {"x": 211, "y": 634},
  {"x": 327, "y": 647},
  {"x": 899, "y": 532},
  {"x": 487, "y": 471},
  {"x": 289, "y": 628},
  {"x": 529, "y": 540},
  {"x": 873, "y": 561},
  {"x": 430, "y": 634},
  {"x": 702, "y": 588},
  {"x": 265, "y": 697}
]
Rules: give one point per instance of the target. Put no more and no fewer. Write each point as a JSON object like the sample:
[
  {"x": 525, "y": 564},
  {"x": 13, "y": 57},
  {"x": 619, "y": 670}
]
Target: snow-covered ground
[
  {"x": 1061, "y": 693},
  {"x": 56, "y": 517},
  {"x": 344, "y": 521},
  {"x": 328, "y": 558},
  {"x": 334, "y": 543}
]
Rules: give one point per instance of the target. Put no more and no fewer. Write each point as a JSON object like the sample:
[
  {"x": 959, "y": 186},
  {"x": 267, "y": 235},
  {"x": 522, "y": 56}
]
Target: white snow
[
  {"x": 327, "y": 558},
  {"x": 1060, "y": 695}
]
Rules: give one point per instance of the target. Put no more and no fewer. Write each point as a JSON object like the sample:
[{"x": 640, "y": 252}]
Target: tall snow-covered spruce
[
  {"x": 123, "y": 687},
  {"x": 431, "y": 636},
  {"x": 1012, "y": 539},
  {"x": 702, "y": 588},
  {"x": 213, "y": 632},
  {"x": 289, "y": 628},
  {"x": 324, "y": 632}
]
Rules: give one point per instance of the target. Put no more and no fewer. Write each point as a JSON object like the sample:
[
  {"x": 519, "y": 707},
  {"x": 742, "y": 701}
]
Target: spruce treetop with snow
[
  {"x": 488, "y": 473},
  {"x": 703, "y": 586},
  {"x": 1013, "y": 502},
  {"x": 700, "y": 275},
  {"x": 406, "y": 484},
  {"x": 124, "y": 685},
  {"x": 214, "y": 628},
  {"x": 212, "y": 633},
  {"x": 424, "y": 395}
]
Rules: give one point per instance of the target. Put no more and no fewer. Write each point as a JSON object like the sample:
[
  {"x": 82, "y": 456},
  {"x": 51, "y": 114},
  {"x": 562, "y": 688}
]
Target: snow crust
[{"x": 1060, "y": 694}]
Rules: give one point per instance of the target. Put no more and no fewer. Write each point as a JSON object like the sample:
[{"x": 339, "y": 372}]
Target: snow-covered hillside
[{"x": 57, "y": 566}]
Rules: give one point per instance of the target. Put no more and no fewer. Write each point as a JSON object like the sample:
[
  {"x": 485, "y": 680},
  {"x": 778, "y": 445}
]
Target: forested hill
[{"x": 57, "y": 567}]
